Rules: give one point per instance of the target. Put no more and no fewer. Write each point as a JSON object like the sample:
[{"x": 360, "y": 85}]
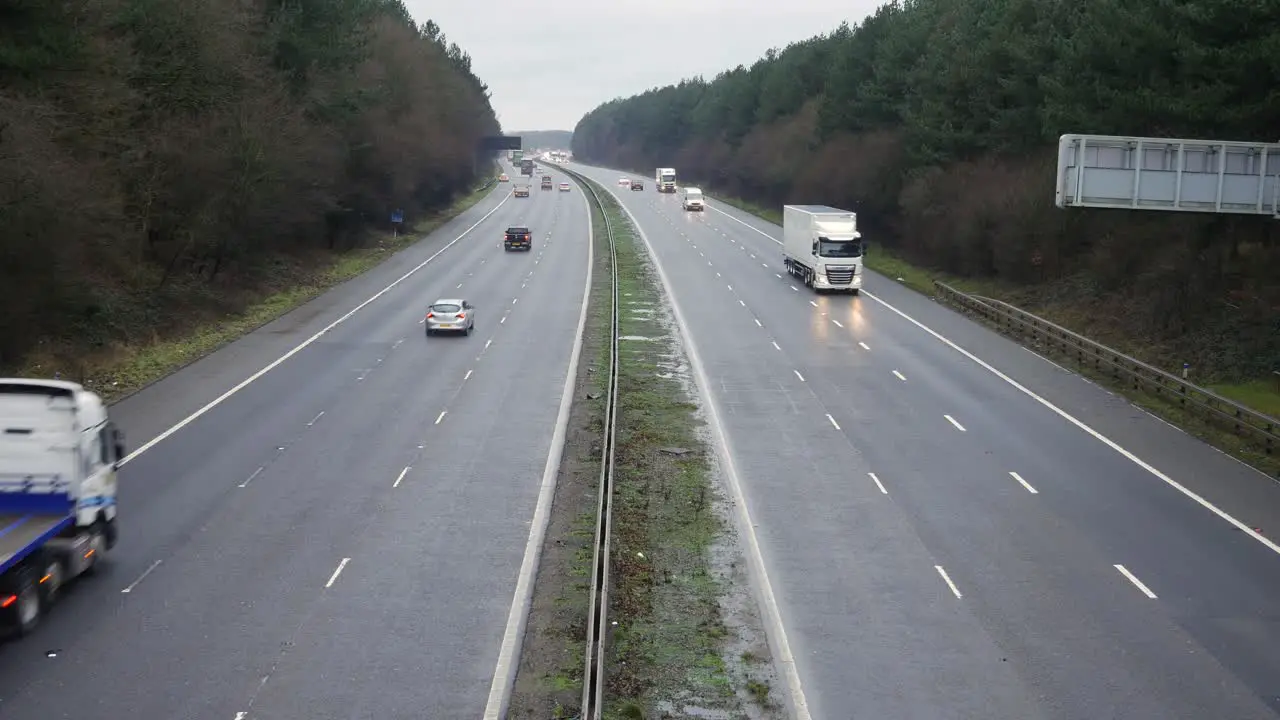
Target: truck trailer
[
  {"x": 664, "y": 180},
  {"x": 59, "y": 452},
  {"x": 822, "y": 247}
]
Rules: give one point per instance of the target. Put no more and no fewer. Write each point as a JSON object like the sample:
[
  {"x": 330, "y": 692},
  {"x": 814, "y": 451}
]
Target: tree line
[
  {"x": 161, "y": 160},
  {"x": 937, "y": 121}
]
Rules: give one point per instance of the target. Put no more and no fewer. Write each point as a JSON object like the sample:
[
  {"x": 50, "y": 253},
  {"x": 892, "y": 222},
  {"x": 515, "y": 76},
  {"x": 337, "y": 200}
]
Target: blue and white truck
[{"x": 59, "y": 452}]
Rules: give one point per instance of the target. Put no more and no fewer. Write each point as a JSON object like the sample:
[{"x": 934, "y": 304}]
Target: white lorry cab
[
  {"x": 691, "y": 199},
  {"x": 664, "y": 180},
  {"x": 58, "y": 457},
  {"x": 822, "y": 247}
]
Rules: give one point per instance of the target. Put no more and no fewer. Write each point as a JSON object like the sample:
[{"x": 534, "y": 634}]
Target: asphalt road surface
[
  {"x": 341, "y": 537},
  {"x": 943, "y": 543}
]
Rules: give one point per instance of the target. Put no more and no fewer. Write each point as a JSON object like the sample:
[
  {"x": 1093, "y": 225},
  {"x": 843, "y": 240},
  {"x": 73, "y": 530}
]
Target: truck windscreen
[
  {"x": 839, "y": 248},
  {"x": 668, "y": 177}
]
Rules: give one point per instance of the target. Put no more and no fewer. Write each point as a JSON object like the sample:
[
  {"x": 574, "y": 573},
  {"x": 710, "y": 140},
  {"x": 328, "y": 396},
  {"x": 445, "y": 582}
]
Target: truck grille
[{"x": 840, "y": 275}]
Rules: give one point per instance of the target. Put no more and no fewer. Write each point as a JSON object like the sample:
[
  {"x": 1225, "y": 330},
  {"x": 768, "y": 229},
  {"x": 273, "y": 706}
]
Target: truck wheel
[
  {"x": 98, "y": 544},
  {"x": 28, "y": 609},
  {"x": 51, "y": 580}
]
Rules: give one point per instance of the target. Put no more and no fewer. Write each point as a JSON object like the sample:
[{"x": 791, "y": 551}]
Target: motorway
[
  {"x": 953, "y": 526},
  {"x": 340, "y": 537}
]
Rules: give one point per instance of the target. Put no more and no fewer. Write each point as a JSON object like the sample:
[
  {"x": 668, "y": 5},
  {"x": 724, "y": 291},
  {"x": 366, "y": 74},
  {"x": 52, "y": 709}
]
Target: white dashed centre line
[
  {"x": 793, "y": 287},
  {"x": 953, "y": 422},
  {"x": 467, "y": 376},
  {"x": 1024, "y": 483},
  {"x": 837, "y": 322},
  {"x": 334, "y": 577},
  {"x": 777, "y": 275},
  {"x": 441, "y": 416},
  {"x": 758, "y": 323},
  {"x": 947, "y": 578},
  {"x": 775, "y": 345},
  {"x": 864, "y": 346},
  {"x": 400, "y": 477},
  {"x": 1138, "y": 583},
  {"x": 834, "y": 424},
  {"x": 141, "y": 577},
  {"x": 316, "y": 418},
  {"x": 459, "y": 286},
  {"x": 487, "y": 343},
  {"x": 255, "y": 474},
  {"x": 797, "y": 372},
  {"x": 813, "y": 303},
  {"x": 899, "y": 375},
  {"x": 742, "y": 303},
  {"x": 879, "y": 484}
]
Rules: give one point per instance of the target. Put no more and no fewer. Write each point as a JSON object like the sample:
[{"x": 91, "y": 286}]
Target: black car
[
  {"x": 518, "y": 238},
  {"x": 637, "y": 185}
]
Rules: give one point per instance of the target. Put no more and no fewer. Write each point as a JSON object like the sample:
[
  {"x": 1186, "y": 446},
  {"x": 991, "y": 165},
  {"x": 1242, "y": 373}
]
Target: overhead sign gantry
[{"x": 1170, "y": 174}]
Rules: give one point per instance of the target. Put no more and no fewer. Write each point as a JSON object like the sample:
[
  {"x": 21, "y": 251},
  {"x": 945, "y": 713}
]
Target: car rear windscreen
[
  {"x": 518, "y": 230},
  {"x": 445, "y": 308}
]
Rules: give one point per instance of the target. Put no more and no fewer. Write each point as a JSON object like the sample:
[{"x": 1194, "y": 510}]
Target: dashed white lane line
[
  {"x": 758, "y": 323},
  {"x": 514, "y": 300},
  {"x": 778, "y": 275},
  {"x": 797, "y": 372},
  {"x": 467, "y": 376},
  {"x": 813, "y": 303},
  {"x": 503, "y": 320},
  {"x": 316, "y": 418},
  {"x": 338, "y": 571},
  {"x": 742, "y": 303},
  {"x": 1024, "y": 483},
  {"x": 955, "y": 590},
  {"x": 400, "y": 477},
  {"x": 487, "y": 343},
  {"x": 251, "y": 478},
  {"x": 864, "y": 346},
  {"x": 837, "y": 322},
  {"x": 953, "y": 422},
  {"x": 900, "y": 376},
  {"x": 1137, "y": 583},
  {"x": 793, "y": 287},
  {"x": 459, "y": 286},
  {"x": 834, "y": 424},
  {"x": 730, "y": 288},
  {"x": 440, "y": 417},
  {"x": 128, "y": 589},
  {"x": 775, "y": 345},
  {"x": 879, "y": 484}
]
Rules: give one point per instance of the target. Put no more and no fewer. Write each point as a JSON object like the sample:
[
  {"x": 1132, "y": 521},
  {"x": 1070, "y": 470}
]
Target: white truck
[
  {"x": 691, "y": 199},
  {"x": 664, "y": 180},
  {"x": 58, "y": 456},
  {"x": 822, "y": 247}
]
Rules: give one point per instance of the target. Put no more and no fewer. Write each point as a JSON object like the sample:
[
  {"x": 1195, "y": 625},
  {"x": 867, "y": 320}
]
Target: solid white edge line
[
  {"x": 504, "y": 673},
  {"x": 878, "y": 483},
  {"x": 1137, "y": 583},
  {"x": 334, "y": 577},
  {"x": 300, "y": 346},
  {"x": 955, "y": 590},
  {"x": 775, "y": 630},
  {"x": 1024, "y": 483},
  {"x": 1188, "y": 492}
]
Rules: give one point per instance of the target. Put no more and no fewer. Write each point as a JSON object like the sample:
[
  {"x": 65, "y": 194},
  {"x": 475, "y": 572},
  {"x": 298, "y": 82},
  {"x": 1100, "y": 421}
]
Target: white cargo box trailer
[{"x": 822, "y": 247}]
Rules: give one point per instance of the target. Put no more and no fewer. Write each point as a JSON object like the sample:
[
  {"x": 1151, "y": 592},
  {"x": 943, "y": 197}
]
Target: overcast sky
[{"x": 547, "y": 62}]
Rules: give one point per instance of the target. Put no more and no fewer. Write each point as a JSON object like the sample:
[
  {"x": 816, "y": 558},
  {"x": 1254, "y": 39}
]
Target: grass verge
[
  {"x": 124, "y": 369},
  {"x": 684, "y": 638},
  {"x": 1262, "y": 395}
]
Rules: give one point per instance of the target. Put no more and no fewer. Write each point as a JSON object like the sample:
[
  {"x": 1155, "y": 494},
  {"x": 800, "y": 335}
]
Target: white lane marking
[
  {"x": 142, "y": 577},
  {"x": 775, "y": 629},
  {"x": 878, "y": 483},
  {"x": 504, "y": 673},
  {"x": 459, "y": 286},
  {"x": 334, "y": 577},
  {"x": 813, "y": 303},
  {"x": 758, "y": 323},
  {"x": 1025, "y": 484},
  {"x": 300, "y": 346},
  {"x": 400, "y": 477},
  {"x": 834, "y": 424},
  {"x": 487, "y": 343},
  {"x": 730, "y": 288},
  {"x": 422, "y": 321},
  {"x": 954, "y": 422},
  {"x": 797, "y": 372},
  {"x": 514, "y": 300},
  {"x": 946, "y": 577},
  {"x": 837, "y": 322},
  {"x": 864, "y": 346},
  {"x": 396, "y": 344},
  {"x": 240, "y": 716},
  {"x": 765, "y": 265},
  {"x": 793, "y": 287},
  {"x": 717, "y": 274},
  {"x": 778, "y": 275},
  {"x": 775, "y": 345},
  {"x": 441, "y": 416},
  {"x": 742, "y": 303},
  {"x": 503, "y": 320},
  {"x": 255, "y": 474},
  {"x": 899, "y": 375},
  {"x": 1138, "y": 583},
  {"x": 467, "y": 376},
  {"x": 314, "y": 419}
]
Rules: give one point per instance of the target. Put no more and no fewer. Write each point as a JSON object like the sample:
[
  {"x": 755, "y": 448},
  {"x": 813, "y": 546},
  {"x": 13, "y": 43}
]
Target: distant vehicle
[
  {"x": 564, "y": 187},
  {"x": 518, "y": 237},
  {"x": 526, "y": 167},
  {"x": 521, "y": 191},
  {"x": 637, "y": 185},
  {"x": 664, "y": 180},
  {"x": 546, "y": 182},
  {"x": 503, "y": 178},
  {"x": 624, "y": 182},
  {"x": 59, "y": 451},
  {"x": 821, "y": 245},
  {"x": 451, "y": 315},
  {"x": 691, "y": 199}
]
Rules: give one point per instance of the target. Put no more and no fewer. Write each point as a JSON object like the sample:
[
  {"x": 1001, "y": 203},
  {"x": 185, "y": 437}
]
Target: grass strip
[{"x": 126, "y": 369}]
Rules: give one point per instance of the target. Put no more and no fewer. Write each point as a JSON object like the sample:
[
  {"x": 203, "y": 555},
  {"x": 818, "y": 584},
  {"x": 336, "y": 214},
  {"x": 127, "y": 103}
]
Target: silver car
[{"x": 450, "y": 315}]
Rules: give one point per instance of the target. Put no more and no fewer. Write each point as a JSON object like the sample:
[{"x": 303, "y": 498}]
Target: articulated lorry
[
  {"x": 664, "y": 180},
  {"x": 821, "y": 245},
  {"x": 58, "y": 456}
]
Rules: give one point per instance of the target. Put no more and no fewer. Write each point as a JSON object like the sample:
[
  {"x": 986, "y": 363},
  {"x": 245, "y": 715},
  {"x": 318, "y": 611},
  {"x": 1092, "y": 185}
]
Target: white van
[{"x": 691, "y": 198}]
